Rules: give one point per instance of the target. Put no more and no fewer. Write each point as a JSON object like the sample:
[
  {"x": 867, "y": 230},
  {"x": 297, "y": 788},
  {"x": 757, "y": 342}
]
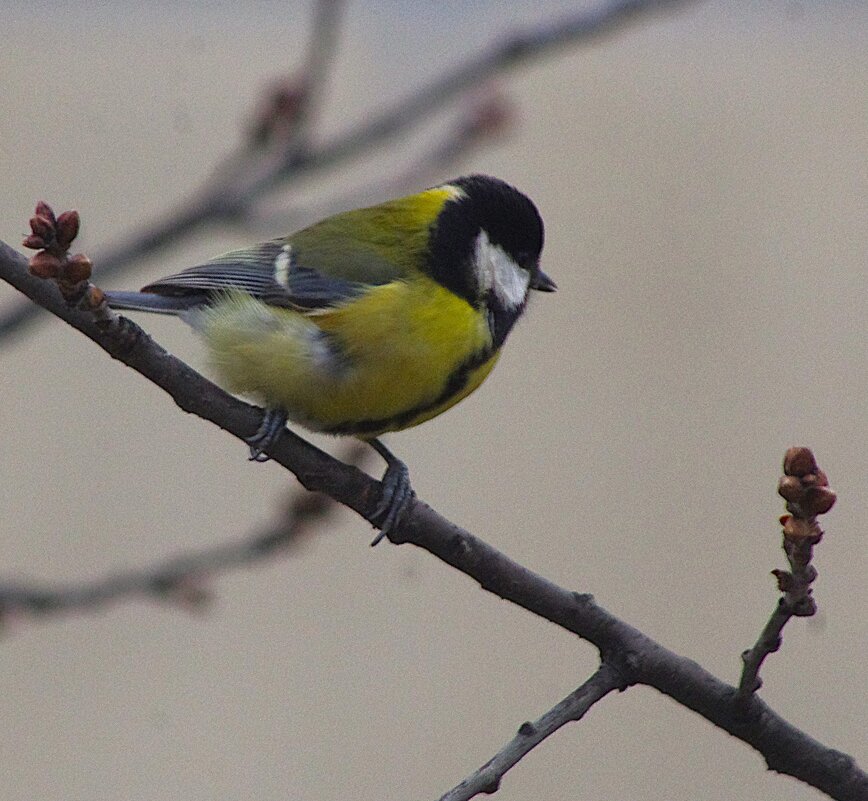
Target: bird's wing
[
  {"x": 268, "y": 271},
  {"x": 320, "y": 266}
]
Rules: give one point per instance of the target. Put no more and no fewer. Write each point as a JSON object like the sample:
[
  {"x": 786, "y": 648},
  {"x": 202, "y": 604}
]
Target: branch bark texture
[{"x": 634, "y": 656}]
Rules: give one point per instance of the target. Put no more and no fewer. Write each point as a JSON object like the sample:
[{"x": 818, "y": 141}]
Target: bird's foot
[
  {"x": 397, "y": 491},
  {"x": 273, "y": 422}
]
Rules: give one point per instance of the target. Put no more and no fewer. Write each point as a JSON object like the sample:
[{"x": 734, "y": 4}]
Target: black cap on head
[{"x": 508, "y": 217}]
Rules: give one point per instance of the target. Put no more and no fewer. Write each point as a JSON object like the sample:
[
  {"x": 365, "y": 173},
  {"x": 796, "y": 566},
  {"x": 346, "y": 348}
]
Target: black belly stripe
[{"x": 454, "y": 384}]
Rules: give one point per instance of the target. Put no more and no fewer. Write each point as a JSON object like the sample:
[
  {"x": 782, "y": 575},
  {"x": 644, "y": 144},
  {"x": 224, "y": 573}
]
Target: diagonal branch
[
  {"x": 572, "y": 708},
  {"x": 636, "y": 657},
  {"x": 580, "y": 27},
  {"x": 482, "y": 121}
]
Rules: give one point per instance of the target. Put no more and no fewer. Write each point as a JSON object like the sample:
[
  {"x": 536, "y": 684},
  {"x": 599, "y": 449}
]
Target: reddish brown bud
[
  {"x": 42, "y": 227},
  {"x": 34, "y": 242},
  {"x": 797, "y": 528},
  {"x": 818, "y": 500},
  {"x": 44, "y": 210},
  {"x": 44, "y": 265},
  {"x": 67, "y": 228},
  {"x": 790, "y": 488},
  {"x": 799, "y": 462},
  {"x": 95, "y": 298},
  {"x": 78, "y": 268}
]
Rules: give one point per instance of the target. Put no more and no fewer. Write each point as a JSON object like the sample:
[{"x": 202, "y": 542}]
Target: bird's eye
[{"x": 526, "y": 260}]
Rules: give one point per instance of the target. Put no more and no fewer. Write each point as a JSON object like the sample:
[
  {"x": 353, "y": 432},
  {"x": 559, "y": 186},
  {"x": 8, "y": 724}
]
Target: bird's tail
[{"x": 151, "y": 302}]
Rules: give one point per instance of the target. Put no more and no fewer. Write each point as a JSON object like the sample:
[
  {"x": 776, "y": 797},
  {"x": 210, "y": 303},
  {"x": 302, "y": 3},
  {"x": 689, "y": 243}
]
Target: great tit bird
[{"x": 372, "y": 320}]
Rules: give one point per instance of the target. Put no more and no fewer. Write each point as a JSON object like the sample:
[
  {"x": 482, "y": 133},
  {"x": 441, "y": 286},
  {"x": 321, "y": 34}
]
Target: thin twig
[
  {"x": 806, "y": 489},
  {"x": 638, "y": 658},
  {"x": 241, "y": 180},
  {"x": 767, "y": 643},
  {"x": 572, "y": 708}
]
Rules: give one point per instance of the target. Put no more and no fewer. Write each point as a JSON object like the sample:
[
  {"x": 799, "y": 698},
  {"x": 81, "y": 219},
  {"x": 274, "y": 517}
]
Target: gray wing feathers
[
  {"x": 250, "y": 270},
  {"x": 253, "y": 271},
  {"x": 149, "y": 302}
]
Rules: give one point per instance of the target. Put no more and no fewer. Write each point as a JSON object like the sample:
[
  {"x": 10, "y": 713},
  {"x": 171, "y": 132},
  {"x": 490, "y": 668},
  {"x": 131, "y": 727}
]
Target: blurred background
[{"x": 703, "y": 179}]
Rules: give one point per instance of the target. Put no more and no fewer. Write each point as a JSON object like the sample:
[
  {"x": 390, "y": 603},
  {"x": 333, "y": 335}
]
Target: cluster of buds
[
  {"x": 805, "y": 488},
  {"x": 51, "y": 236}
]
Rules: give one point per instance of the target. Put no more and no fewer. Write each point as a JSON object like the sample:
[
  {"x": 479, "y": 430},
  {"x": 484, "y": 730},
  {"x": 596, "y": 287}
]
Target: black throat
[{"x": 500, "y": 320}]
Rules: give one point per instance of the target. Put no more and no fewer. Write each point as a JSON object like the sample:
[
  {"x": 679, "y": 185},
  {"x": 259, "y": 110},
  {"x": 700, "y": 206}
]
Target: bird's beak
[{"x": 543, "y": 283}]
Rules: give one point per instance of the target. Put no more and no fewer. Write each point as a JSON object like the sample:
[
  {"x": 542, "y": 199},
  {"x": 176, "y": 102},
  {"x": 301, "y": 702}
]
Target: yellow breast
[{"x": 398, "y": 355}]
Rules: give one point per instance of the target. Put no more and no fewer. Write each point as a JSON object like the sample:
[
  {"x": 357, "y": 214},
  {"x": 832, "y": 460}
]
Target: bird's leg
[
  {"x": 273, "y": 421},
  {"x": 397, "y": 491}
]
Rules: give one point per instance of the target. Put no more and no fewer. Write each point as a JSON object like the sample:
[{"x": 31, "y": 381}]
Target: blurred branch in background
[
  {"x": 279, "y": 148},
  {"x": 182, "y": 580},
  {"x": 484, "y": 119},
  {"x": 633, "y": 656},
  {"x": 275, "y": 142}
]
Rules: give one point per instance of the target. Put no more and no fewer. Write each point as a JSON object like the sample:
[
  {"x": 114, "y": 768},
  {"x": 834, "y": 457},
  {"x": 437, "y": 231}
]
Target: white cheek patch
[
  {"x": 282, "y": 264},
  {"x": 497, "y": 272}
]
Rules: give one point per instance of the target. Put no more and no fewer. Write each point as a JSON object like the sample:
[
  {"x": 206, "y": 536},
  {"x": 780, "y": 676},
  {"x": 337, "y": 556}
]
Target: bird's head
[{"x": 486, "y": 245}]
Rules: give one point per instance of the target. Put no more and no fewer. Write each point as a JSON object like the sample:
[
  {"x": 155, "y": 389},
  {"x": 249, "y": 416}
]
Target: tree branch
[
  {"x": 806, "y": 489},
  {"x": 636, "y": 657},
  {"x": 572, "y": 708}
]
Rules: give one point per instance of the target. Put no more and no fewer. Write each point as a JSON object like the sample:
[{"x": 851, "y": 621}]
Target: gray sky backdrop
[{"x": 703, "y": 180}]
